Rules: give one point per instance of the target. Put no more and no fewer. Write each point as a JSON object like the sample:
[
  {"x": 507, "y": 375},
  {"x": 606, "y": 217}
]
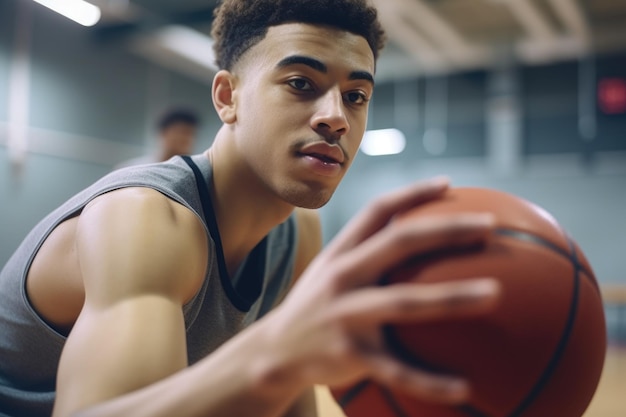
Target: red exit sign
[{"x": 612, "y": 95}]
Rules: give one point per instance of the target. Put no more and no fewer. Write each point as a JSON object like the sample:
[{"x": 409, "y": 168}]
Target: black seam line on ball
[
  {"x": 352, "y": 393},
  {"x": 409, "y": 357},
  {"x": 470, "y": 411},
  {"x": 556, "y": 357},
  {"x": 413, "y": 360},
  {"x": 393, "y": 403},
  {"x": 529, "y": 237},
  {"x": 571, "y": 256}
]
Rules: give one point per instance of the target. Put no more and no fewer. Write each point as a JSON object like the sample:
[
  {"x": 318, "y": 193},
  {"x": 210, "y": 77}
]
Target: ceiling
[{"x": 425, "y": 36}]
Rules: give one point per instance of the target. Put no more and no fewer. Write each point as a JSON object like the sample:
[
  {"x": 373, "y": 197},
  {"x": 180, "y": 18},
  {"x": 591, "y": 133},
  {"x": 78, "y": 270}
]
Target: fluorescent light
[
  {"x": 188, "y": 43},
  {"x": 178, "y": 48},
  {"x": 383, "y": 142},
  {"x": 77, "y": 10}
]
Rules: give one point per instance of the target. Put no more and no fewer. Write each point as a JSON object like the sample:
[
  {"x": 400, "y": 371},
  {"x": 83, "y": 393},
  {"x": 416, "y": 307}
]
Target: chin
[{"x": 309, "y": 198}]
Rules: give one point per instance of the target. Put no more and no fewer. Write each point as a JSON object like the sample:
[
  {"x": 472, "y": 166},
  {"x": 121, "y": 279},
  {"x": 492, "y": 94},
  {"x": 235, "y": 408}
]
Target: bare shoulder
[
  {"x": 309, "y": 238},
  {"x": 141, "y": 257},
  {"x": 138, "y": 240}
]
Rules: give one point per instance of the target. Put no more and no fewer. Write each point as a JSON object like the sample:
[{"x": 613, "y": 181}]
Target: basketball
[{"x": 541, "y": 351}]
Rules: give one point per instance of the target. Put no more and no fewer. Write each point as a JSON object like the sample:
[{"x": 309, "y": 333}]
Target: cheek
[{"x": 357, "y": 131}]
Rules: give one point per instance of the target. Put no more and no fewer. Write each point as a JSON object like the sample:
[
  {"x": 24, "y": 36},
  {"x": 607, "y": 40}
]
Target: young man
[
  {"x": 177, "y": 130},
  {"x": 153, "y": 291}
]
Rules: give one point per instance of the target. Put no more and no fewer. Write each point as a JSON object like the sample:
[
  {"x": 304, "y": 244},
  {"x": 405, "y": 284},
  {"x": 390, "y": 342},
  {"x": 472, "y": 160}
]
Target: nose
[{"x": 330, "y": 118}]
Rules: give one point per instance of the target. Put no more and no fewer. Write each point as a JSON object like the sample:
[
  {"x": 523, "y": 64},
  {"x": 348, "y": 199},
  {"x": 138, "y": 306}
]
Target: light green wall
[
  {"x": 6, "y": 28},
  {"x": 84, "y": 97},
  {"x": 80, "y": 87},
  {"x": 44, "y": 183}
]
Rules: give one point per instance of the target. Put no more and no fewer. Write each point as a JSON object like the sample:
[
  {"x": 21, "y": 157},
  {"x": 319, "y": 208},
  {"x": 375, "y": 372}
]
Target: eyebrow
[
  {"x": 321, "y": 67},
  {"x": 362, "y": 75}
]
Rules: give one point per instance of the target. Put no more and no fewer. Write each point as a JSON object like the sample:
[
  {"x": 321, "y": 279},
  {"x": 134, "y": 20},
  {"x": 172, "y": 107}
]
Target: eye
[
  {"x": 300, "y": 84},
  {"x": 356, "y": 97}
]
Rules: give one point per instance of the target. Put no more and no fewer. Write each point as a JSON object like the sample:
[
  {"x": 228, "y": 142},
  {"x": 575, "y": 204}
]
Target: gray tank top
[{"x": 30, "y": 349}]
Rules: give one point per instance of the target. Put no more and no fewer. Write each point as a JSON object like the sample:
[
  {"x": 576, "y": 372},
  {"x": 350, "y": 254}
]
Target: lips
[{"x": 331, "y": 154}]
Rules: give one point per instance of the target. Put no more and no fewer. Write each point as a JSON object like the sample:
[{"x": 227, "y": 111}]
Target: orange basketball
[{"x": 539, "y": 354}]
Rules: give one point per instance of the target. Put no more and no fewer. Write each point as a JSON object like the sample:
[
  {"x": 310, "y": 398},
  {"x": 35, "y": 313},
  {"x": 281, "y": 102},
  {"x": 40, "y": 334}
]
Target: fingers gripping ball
[{"x": 538, "y": 354}]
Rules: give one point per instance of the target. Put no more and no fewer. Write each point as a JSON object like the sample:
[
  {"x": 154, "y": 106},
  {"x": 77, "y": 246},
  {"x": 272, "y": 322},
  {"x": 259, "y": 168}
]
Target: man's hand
[{"x": 327, "y": 331}]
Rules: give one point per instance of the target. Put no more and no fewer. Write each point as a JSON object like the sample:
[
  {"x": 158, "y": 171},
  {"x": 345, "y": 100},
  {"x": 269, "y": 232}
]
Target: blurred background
[{"x": 526, "y": 96}]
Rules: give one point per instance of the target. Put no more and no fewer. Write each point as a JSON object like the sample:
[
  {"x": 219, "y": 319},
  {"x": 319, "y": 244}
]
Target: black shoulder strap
[
  {"x": 203, "y": 190},
  {"x": 209, "y": 216},
  {"x": 247, "y": 288}
]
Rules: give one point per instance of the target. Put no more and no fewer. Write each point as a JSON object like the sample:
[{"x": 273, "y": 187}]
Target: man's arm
[
  {"x": 141, "y": 257},
  {"x": 327, "y": 331}
]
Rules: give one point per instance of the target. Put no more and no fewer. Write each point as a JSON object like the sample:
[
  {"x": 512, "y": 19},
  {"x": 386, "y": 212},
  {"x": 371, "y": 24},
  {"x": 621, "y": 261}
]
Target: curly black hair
[{"x": 240, "y": 24}]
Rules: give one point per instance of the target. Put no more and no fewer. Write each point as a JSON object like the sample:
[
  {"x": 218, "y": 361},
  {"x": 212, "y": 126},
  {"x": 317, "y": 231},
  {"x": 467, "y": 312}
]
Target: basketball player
[{"x": 155, "y": 292}]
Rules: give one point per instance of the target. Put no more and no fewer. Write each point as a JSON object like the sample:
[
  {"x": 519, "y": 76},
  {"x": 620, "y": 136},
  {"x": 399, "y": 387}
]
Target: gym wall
[{"x": 90, "y": 105}]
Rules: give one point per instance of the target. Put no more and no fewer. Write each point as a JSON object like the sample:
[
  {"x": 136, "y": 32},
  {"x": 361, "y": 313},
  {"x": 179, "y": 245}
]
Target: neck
[{"x": 245, "y": 209}]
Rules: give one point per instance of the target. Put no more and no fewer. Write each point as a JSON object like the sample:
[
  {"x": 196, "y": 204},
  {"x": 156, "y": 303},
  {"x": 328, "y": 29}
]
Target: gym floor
[
  {"x": 609, "y": 401},
  {"x": 610, "y": 398}
]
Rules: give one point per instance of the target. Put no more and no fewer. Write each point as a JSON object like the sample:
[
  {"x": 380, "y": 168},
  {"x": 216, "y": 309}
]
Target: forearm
[{"x": 242, "y": 378}]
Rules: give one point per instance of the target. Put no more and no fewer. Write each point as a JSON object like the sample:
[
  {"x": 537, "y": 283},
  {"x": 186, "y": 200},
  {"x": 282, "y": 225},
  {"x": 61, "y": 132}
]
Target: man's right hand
[{"x": 328, "y": 330}]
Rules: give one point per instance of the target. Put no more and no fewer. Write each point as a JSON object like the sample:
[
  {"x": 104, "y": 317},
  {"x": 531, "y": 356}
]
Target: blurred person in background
[{"x": 177, "y": 131}]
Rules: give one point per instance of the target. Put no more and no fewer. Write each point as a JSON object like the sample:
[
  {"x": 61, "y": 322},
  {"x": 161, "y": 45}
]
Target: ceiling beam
[
  {"x": 531, "y": 19},
  {"x": 423, "y": 34},
  {"x": 451, "y": 43},
  {"x": 573, "y": 18},
  {"x": 544, "y": 42},
  {"x": 415, "y": 45}
]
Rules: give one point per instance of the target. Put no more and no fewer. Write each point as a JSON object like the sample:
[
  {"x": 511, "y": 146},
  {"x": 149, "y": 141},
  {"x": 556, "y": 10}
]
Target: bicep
[
  {"x": 115, "y": 350},
  {"x": 139, "y": 262},
  {"x": 138, "y": 241}
]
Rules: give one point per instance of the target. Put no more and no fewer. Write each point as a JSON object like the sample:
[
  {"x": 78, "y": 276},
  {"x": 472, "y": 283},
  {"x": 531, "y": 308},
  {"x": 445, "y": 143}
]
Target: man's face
[
  {"x": 302, "y": 99},
  {"x": 178, "y": 139}
]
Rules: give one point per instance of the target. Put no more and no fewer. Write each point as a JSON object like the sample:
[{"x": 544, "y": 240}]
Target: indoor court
[{"x": 523, "y": 97}]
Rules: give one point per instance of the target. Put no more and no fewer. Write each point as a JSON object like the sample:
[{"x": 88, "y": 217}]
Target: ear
[{"x": 224, "y": 97}]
